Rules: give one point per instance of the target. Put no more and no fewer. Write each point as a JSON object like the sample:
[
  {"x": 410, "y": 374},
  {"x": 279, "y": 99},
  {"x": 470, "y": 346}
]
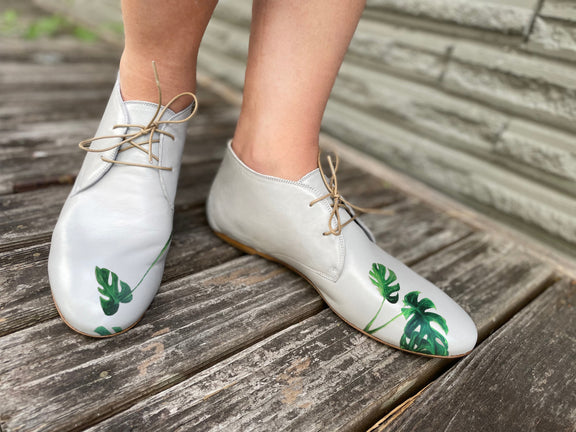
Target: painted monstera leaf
[
  {"x": 388, "y": 289},
  {"x": 103, "y": 331},
  {"x": 113, "y": 291},
  {"x": 419, "y": 335}
]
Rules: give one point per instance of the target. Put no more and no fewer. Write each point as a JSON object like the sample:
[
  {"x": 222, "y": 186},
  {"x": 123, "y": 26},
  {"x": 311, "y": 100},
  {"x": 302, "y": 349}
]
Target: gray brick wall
[{"x": 477, "y": 99}]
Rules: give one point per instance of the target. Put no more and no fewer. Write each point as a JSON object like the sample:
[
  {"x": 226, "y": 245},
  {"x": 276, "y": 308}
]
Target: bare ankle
[
  {"x": 138, "y": 83},
  {"x": 275, "y": 159}
]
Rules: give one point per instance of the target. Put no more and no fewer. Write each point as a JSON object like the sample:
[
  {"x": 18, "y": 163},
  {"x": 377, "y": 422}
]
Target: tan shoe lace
[
  {"x": 338, "y": 201},
  {"x": 150, "y": 129}
]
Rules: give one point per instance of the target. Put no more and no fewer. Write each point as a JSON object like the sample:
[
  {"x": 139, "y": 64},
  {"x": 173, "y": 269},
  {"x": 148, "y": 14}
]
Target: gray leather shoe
[
  {"x": 307, "y": 226},
  {"x": 110, "y": 242}
]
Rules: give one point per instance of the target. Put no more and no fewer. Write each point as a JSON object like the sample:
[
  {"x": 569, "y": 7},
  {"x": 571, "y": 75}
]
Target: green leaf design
[
  {"x": 111, "y": 294},
  {"x": 388, "y": 288},
  {"x": 103, "y": 331},
  {"x": 419, "y": 335}
]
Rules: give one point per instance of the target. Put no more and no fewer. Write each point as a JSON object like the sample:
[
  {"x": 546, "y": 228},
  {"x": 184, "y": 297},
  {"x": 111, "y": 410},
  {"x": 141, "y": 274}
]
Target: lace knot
[
  {"x": 153, "y": 127},
  {"x": 338, "y": 201}
]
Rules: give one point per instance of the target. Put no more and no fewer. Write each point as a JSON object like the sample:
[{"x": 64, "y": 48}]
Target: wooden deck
[{"x": 234, "y": 342}]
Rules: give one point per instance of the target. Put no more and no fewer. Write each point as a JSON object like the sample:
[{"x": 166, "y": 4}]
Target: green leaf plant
[{"x": 111, "y": 295}]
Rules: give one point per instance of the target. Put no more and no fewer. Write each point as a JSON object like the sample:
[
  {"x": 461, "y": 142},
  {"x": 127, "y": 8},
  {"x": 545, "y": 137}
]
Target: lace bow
[
  {"x": 153, "y": 127},
  {"x": 338, "y": 201}
]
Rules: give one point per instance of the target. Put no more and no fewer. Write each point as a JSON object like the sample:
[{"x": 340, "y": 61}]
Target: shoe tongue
[
  {"x": 140, "y": 112},
  {"x": 314, "y": 180}
]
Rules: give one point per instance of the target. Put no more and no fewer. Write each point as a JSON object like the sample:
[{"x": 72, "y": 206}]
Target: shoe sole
[{"x": 251, "y": 251}]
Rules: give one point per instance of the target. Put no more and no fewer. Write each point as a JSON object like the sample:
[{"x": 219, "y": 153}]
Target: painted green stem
[
  {"x": 152, "y": 265},
  {"x": 367, "y": 328},
  {"x": 384, "y": 325}
]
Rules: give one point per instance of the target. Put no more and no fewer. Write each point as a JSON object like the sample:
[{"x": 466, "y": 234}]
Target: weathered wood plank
[
  {"x": 194, "y": 322},
  {"x": 46, "y": 153},
  {"x": 322, "y": 375},
  {"x": 56, "y": 51},
  {"x": 14, "y": 77},
  {"x": 522, "y": 379},
  {"x": 26, "y": 107},
  {"x": 28, "y": 218},
  {"x": 412, "y": 231}
]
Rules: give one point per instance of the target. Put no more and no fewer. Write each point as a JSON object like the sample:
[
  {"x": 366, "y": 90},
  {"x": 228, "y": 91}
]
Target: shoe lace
[
  {"x": 153, "y": 127},
  {"x": 338, "y": 201}
]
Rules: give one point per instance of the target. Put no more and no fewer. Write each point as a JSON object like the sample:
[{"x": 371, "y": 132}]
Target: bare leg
[
  {"x": 296, "y": 48},
  {"x": 168, "y": 32}
]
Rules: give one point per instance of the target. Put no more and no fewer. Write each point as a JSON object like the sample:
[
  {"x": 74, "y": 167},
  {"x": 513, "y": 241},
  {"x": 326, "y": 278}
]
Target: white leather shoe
[
  {"x": 109, "y": 245},
  {"x": 307, "y": 226}
]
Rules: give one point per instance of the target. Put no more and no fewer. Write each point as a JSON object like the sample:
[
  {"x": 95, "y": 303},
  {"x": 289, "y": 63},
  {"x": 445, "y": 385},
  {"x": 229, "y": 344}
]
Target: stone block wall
[{"x": 477, "y": 99}]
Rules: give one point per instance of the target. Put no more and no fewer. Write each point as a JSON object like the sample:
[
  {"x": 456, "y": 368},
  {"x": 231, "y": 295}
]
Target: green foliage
[
  {"x": 45, "y": 27},
  {"x": 115, "y": 27},
  {"x": 111, "y": 295},
  {"x": 12, "y": 24},
  {"x": 419, "y": 335},
  {"x": 84, "y": 34},
  {"x": 9, "y": 23},
  {"x": 103, "y": 331}
]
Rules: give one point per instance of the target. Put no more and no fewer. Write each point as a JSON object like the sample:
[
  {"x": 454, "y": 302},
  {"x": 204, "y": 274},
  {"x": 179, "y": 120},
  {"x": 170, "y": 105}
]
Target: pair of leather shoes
[{"x": 109, "y": 245}]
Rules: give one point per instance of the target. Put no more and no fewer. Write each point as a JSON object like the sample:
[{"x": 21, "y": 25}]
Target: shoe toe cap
[
  {"x": 101, "y": 293},
  {"x": 78, "y": 302},
  {"x": 462, "y": 336}
]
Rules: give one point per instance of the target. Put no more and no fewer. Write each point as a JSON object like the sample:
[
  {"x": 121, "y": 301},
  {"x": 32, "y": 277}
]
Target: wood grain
[
  {"x": 193, "y": 322},
  {"x": 65, "y": 50},
  {"x": 46, "y": 151}
]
